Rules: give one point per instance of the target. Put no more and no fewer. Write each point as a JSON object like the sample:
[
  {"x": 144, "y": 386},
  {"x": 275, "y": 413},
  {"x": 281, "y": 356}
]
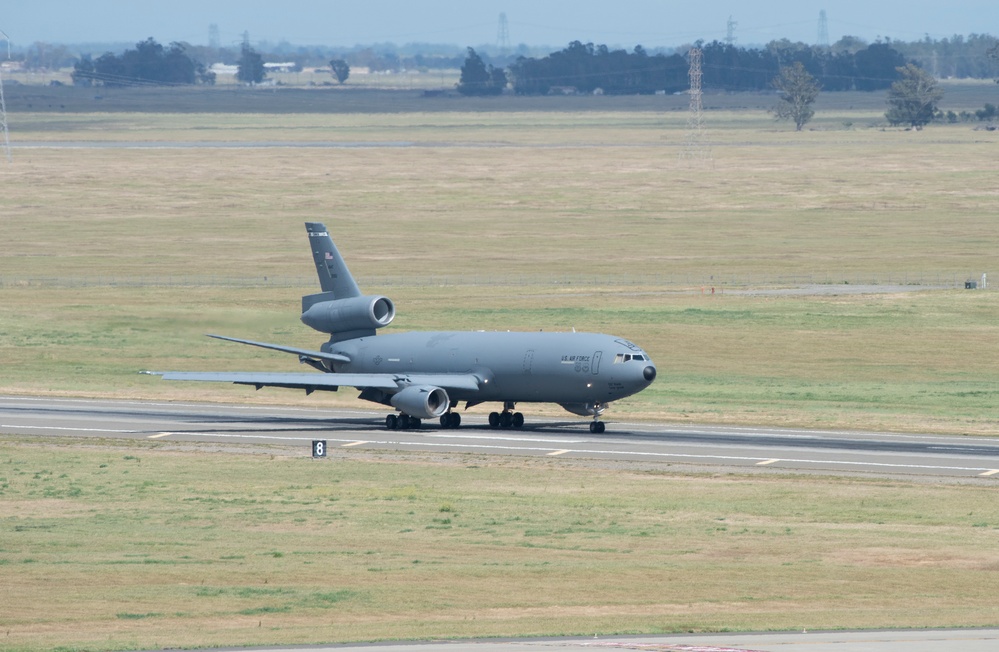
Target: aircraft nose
[{"x": 649, "y": 373}]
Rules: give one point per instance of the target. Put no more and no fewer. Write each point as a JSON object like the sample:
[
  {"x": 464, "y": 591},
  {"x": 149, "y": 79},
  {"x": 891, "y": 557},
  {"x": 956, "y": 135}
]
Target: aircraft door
[
  {"x": 528, "y": 362},
  {"x": 595, "y": 363}
]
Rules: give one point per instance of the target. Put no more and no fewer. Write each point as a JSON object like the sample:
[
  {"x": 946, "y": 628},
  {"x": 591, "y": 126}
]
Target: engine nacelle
[
  {"x": 421, "y": 401},
  {"x": 345, "y": 315}
]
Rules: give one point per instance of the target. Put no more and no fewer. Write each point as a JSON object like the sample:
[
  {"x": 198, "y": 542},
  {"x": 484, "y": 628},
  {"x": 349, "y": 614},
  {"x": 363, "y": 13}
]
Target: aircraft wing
[{"x": 331, "y": 382}]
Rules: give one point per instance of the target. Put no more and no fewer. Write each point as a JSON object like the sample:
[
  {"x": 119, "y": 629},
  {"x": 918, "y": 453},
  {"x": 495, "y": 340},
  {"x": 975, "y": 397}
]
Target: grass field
[
  {"x": 111, "y": 545},
  {"x": 593, "y": 215},
  {"x": 115, "y": 259}
]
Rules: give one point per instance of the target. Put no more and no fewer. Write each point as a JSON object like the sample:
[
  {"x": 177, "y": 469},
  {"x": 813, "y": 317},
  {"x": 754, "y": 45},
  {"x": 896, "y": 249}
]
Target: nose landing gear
[{"x": 597, "y": 427}]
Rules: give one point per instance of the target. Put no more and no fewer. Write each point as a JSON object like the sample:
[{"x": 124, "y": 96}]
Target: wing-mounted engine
[
  {"x": 421, "y": 401},
  {"x": 351, "y": 317}
]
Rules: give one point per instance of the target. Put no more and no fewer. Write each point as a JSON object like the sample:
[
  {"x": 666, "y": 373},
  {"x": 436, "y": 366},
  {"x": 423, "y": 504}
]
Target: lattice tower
[
  {"x": 730, "y": 31},
  {"x": 695, "y": 147},
  {"x": 823, "y": 29},
  {"x": 503, "y": 35},
  {"x": 3, "y": 108}
]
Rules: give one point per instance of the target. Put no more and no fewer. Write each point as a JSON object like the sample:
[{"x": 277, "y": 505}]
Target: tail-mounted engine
[{"x": 358, "y": 316}]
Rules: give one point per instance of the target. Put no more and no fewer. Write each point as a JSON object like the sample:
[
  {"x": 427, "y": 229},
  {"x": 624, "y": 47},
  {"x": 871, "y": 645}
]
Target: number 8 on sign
[{"x": 318, "y": 448}]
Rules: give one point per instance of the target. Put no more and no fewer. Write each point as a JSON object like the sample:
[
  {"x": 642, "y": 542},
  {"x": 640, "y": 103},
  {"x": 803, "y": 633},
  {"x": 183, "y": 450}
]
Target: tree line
[
  {"x": 150, "y": 63},
  {"x": 587, "y": 68},
  {"x": 850, "y": 64}
]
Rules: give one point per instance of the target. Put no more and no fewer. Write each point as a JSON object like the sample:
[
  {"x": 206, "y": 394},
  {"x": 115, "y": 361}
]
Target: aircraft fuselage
[{"x": 565, "y": 368}]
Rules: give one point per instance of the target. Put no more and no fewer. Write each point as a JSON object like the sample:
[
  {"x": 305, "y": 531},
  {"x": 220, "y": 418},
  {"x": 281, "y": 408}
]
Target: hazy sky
[{"x": 624, "y": 23}]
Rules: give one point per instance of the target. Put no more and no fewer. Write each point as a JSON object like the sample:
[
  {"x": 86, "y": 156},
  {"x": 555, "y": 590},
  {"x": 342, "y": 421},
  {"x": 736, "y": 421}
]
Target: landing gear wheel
[
  {"x": 450, "y": 420},
  {"x": 391, "y": 422},
  {"x": 494, "y": 420},
  {"x": 597, "y": 427},
  {"x": 506, "y": 421},
  {"x": 518, "y": 420}
]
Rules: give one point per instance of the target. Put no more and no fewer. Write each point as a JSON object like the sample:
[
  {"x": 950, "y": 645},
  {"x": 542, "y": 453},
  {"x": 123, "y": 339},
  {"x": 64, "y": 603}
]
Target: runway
[
  {"x": 974, "y": 640},
  {"x": 683, "y": 446}
]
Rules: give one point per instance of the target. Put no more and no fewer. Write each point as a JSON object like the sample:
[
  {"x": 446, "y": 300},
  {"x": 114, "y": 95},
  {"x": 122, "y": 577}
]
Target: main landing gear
[
  {"x": 507, "y": 418},
  {"x": 402, "y": 422},
  {"x": 450, "y": 420}
]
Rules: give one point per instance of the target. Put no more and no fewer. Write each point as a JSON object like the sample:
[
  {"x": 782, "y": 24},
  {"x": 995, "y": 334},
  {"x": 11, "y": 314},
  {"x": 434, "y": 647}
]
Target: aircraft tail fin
[{"x": 333, "y": 273}]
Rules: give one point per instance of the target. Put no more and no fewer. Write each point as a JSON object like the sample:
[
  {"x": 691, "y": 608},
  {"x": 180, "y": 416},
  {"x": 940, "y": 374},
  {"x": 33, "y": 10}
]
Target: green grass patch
[{"x": 911, "y": 361}]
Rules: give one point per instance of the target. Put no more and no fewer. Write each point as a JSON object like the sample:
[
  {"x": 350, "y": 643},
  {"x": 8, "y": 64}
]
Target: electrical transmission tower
[
  {"x": 503, "y": 35},
  {"x": 823, "y": 29},
  {"x": 730, "y": 31},
  {"x": 3, "y": 108},
  {"x": 695, "y": 147}
]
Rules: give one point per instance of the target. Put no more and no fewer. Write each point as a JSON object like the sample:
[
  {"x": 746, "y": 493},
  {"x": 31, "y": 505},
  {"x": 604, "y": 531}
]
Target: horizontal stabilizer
[{"x": 333, "y": 357}]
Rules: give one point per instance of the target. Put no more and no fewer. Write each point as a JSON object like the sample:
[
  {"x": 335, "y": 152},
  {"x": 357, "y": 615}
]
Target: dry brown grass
[
  {"x": 115, "y": 545},
  {"x": 551, "y": 200}
]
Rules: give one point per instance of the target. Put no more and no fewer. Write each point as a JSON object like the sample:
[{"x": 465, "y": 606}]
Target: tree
[
  {"x": 340, "y": 69},
  {"x": 478, "y": 79},
  {"x": 913, "y": 99},
  {"x": 84, "y": 71},
  {"x": 45, "y": 56},
  {"x": 587, "y": 68},
  {"x": 877, "y": 67},
  {"x": 993, "y": 53},
  {"x": 148, "y": 64},
  {"x": 251, "y": 66},
  {"x": 798, "y": 90}
]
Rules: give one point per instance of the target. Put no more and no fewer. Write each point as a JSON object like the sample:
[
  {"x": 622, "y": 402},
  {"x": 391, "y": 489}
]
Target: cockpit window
[{"x": 627, "y": 357}]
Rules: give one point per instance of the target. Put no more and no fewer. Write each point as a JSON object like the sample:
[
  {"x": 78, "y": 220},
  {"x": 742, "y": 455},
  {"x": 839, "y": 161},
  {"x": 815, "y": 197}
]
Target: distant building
[
  {"x": 287, "y": 66},
  {"x": 224, "y": 69}
]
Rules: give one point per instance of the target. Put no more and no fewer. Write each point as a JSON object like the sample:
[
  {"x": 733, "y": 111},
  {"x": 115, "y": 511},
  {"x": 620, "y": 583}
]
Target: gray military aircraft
[{"x": 424, "y": 375}]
